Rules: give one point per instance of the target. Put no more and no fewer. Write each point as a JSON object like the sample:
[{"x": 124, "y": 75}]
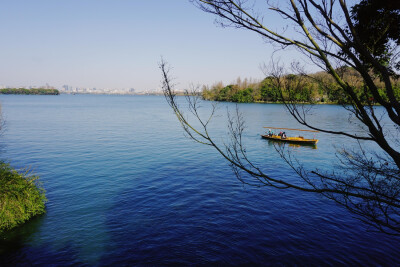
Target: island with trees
[{"x": 33, "y": 91}]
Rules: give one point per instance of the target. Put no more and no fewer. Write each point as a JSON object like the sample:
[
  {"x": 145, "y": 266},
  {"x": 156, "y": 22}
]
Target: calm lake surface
[{"x": 125, "y": 187}]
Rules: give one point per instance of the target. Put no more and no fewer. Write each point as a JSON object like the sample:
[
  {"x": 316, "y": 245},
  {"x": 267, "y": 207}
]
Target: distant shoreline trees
[
  {"x": 24, "y": 91},
  {"x": 309, "y": 91}
]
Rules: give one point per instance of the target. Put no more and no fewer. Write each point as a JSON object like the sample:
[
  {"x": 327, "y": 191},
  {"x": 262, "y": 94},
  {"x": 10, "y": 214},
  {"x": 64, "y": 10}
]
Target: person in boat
[
  {"x": 269, "y": 132},
  {"x": 280, "y": 134},
  {"x": 284, "y": 135}
]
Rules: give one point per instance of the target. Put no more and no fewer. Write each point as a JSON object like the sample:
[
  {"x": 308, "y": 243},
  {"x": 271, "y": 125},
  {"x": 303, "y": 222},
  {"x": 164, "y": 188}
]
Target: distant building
[{"x": 66, "y": 88}]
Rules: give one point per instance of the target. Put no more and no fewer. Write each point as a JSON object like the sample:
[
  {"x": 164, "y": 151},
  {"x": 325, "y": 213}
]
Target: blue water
[{"x": 126, "y": 187}]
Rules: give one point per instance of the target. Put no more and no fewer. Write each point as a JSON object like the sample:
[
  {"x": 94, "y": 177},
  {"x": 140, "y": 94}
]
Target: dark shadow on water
[
  {"x": 164, "y": 234},
  {"x": 170, "y": 219},
  {"x": 177, "y": 235}
]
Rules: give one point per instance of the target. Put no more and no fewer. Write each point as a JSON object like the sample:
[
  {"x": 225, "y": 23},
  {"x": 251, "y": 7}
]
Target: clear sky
[{"x": 118, "y": 44}]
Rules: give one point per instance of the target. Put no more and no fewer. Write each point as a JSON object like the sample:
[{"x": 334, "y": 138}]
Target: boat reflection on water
[{"x": 292, "y": 145}]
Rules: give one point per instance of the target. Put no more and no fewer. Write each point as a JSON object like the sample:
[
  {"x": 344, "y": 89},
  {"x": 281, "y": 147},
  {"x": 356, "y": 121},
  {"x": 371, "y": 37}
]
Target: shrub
[{"x": 21, "y": 197}]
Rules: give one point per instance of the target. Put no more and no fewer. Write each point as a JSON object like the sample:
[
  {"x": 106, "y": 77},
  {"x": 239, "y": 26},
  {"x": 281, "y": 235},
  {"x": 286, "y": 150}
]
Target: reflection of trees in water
[
  {"x": 14, "y": 242},
  {"x": 17, "y": 248}
]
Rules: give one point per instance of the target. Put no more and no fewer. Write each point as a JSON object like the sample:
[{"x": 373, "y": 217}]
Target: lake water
[{"x": 126, "y": 187}]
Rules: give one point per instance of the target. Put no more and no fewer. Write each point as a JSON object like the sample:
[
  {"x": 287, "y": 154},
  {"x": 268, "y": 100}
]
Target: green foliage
[
  {"x": 225, "y": 93},
  {"x": 269, "y": 91},
  {"x": 243, "y": 96},
  {"x": 24, "y": 91},
  {"x": 21, "y": 197},
  {"x": 377, "y": 23},
  {"x": 396, "y": 90},
  {"x": 317, "y": 88}
]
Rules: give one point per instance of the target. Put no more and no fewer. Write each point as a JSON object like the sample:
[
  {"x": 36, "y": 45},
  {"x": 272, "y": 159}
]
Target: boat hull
[{"x": 295, "y": 140}]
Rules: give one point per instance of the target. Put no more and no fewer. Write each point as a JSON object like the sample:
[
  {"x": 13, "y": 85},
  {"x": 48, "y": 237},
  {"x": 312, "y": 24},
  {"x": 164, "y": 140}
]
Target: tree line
[
  {"x": 318, "y": 87},
  {"x": 24, "y": 91}
]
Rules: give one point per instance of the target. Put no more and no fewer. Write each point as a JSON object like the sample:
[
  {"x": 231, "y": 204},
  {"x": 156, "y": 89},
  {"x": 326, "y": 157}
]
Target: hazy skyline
[{"x": 118, "y": 44}]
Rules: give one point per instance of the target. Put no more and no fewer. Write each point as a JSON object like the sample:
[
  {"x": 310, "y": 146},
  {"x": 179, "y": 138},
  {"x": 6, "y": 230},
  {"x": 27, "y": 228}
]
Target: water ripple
[{"x": 126, "y": 188}]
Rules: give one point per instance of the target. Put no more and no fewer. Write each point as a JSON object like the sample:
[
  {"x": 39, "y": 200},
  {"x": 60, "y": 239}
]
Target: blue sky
[{"x": 118, "y": 44}]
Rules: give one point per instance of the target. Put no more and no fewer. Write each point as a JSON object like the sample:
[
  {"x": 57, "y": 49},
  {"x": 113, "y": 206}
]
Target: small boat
[{"x": 295, "y": 140}]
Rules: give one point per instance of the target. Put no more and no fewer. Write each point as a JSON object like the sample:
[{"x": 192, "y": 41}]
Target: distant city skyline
[
  {"x": 118, "y": 44},
  {"x": 88, "y": 90}
]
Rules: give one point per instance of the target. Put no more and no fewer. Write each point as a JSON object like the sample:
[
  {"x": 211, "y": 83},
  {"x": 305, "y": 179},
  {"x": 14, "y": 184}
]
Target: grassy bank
[{"x": 21, "y": 197}]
